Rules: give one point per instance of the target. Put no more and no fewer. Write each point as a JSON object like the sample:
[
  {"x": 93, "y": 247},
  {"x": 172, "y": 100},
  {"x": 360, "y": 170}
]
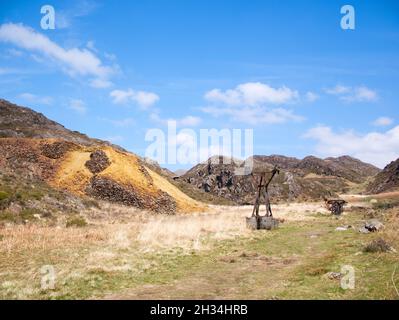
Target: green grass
[
  {"x": 26, "y": 214},
  {"x": 78, "y": 222},
  {"x": 4, "y": 195},
  {"x": 290, "y": 262}
]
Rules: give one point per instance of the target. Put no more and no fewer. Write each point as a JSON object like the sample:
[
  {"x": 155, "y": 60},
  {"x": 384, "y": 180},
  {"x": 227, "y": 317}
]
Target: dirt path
[
  {"x": 230, "y": 277},
  {"x": 257, "y": 267}
]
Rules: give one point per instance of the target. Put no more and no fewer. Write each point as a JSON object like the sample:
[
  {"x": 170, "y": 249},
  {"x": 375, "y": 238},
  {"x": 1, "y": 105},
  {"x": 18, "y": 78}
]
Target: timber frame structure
[{"x": 263, "y": 185}]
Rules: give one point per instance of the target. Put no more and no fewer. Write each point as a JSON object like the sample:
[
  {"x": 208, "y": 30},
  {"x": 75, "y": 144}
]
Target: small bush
[
  {"x": 4, "y": 195},
  {"x": 78, "y": 222},
  {"x": 377, "y": 245},
  {"x": 386, "y": 205},
  {"x": 28, "y": 213},
  {"x": 91, "y": 203},
  {"x": 7, "y": 216}
]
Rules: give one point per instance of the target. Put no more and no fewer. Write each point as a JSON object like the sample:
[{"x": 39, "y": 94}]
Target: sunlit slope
[
  {"x": 124, "y": 180},
  {"x": 101, "y": 172}
]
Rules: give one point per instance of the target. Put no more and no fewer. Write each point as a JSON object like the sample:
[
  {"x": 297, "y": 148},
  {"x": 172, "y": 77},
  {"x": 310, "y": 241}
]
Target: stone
[
  {"x": 262, "y": 223},
  {"x": 378, "y": 245},
  {"x": 98, "y": 162},
  {"x": 268, "y": 223},
  {"x": 343, "y": 228},
  {"x": 373, "y": 225},
  {"x": 334, "y": 275}
]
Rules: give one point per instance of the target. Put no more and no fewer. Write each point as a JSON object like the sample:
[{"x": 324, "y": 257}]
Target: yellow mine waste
[
  {"x": 72, "y": 173},
  {"x": 184, "y": 202},
  {"x": 124, "y": 169}
]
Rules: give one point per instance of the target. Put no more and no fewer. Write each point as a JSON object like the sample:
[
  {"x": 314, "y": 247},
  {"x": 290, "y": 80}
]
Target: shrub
[
  {"x": 28, "y": 213},
  {"x": 90, "y": 203},
  {"x": 377, "y": 245},
  {"x": 4, "y": 195},
  {"x": 78, "y": 222}
]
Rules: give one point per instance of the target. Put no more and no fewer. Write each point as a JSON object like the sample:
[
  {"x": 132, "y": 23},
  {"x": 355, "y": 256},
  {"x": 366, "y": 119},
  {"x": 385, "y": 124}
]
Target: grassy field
[{"x": 127, "y": 254}]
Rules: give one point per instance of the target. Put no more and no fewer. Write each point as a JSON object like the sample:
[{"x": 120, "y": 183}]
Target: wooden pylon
[{"x": 263, "y": 189}]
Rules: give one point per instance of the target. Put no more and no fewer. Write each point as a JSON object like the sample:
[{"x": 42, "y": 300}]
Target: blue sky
[{"x": 286, "y": 69}]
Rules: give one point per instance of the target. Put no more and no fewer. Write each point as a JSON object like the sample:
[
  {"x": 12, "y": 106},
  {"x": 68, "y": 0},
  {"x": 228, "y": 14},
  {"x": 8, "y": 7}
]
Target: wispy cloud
[
  {"x": 65, "y": 17},
  {"x": 78, "y": 106},
  {"x": 73, "y": 61},
  {"x": 311, "y": 96},
  {"x": 121, "y": 123},
  {"x": 187, "y": 121},
  {"x": 373, "y": 147},
  {"x": 143, "y": 98},
  {"x": 353, "y": 94},
  {"x": 33, "y": 98},
  {"x": 382, "y": 121}
]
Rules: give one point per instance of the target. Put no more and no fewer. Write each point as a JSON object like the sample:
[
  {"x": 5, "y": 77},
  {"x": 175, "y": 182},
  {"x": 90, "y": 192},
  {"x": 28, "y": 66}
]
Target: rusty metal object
[
  {"x": 336, "y": 206},
  {"x": 267, "y": 222}
]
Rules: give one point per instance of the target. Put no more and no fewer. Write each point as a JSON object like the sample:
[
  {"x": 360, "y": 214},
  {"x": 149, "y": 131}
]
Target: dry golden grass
[
  {"x": 26, "y": 238},
  {"x": 126, "y": 241},
  {"x": 391, "y": 230}
]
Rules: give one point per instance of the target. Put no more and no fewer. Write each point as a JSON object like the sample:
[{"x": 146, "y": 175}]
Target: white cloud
[
  {"x": 142, "y": 98},
  {"x": 7, "y": 71},
  {"x": 65, "y": 18},
  {"x": 361, "y": 94},
  {"x": 338, "y": 90},
  {"x": 123, "y": 123},
  {"x": 14, "y": 52},
  {"x": 246, "y": 103},
  {"x": 32, "y": 98},
  {"x": 311, "y": 96},
  {"x": 383, "y": 121},
  {"x": 73, "y": 61},
  {"x": 353, "y": 94},
  {"x": 373, "y": 147},
  {"x": 91, "y": 45},
  {"x": 100, "y": 83},
  {"x": 252, "y": 94},
  {"x": 77, "y": 105},
  {"x": 254, "y": 115},
  {"x": 188, "y": 121}
]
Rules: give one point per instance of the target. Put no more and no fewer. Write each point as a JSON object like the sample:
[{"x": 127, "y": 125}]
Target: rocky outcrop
[
  {"x": 386, "y": 180},
  {"x": 98, "y": 162},
  {"x": 221, "y": 180},
  {"x": 107, "y": 189},
  {"x": 57, "y": 150},
  {"x": 310, "y": 178},
  {"x": 22, "y": 122}
]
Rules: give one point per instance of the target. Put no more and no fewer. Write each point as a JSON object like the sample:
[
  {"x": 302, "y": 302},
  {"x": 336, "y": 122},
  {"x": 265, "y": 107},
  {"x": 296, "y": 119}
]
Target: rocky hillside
[
  {"x": 386, "y": 180},
  {"x": 345, "y": 167},
  {"x": 310, "y": 178},
  {"x": 34, "y": 147}
]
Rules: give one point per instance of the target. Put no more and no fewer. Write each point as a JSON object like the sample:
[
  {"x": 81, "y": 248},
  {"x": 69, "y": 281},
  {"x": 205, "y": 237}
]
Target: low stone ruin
[{"x": 262, "y": 223}]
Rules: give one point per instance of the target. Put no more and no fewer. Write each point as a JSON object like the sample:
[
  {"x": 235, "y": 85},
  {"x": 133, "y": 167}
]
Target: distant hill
[
  {"x": 386, "y": 180},
  {"x": 34, "y": 147},
  {"x": 344, "y": 167},
  {"x": 308, "y": 179}
]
